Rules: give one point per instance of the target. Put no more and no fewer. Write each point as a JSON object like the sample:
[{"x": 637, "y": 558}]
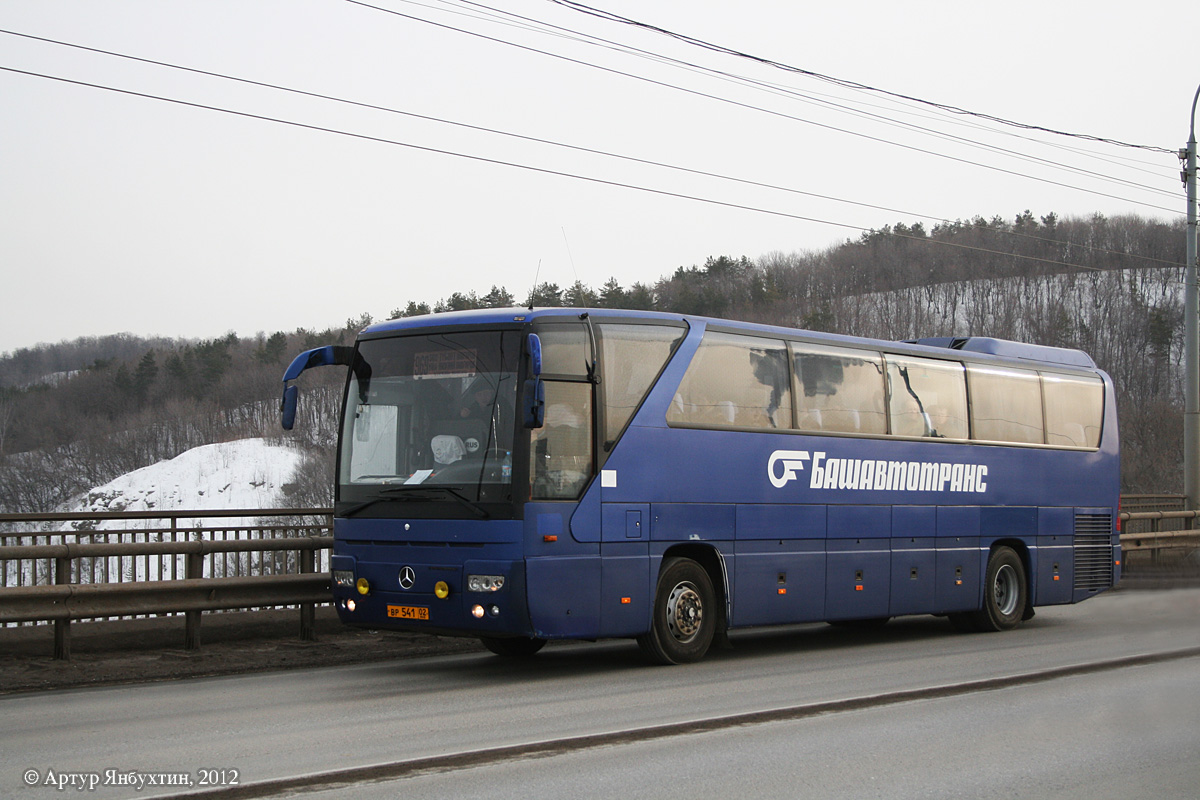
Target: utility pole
[{"x": 1191, "y": 344}]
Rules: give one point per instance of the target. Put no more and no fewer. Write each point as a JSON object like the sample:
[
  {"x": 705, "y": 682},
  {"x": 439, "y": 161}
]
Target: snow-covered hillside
[
  {"x": 242, "y": 474},
  {"x": 248, "y": 473}
]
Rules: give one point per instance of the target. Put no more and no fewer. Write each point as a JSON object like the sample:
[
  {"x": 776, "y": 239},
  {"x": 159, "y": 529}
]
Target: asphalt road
[
  {"x": 1049, "y": 740},
  {"x": 1132, "y": 725}
]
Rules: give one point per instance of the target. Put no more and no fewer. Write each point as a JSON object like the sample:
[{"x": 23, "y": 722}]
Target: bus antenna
[{"x": 534, "y": 289}]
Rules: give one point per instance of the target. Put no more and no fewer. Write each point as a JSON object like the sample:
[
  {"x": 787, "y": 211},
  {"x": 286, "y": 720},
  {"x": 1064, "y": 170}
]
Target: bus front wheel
[
  {"x": 685, "y": 614},
  {"x": 516, "y": 647},
  {"x": 1005, "y": 595}
]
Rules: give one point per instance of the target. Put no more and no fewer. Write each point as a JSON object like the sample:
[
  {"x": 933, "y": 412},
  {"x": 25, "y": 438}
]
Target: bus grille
[{"x": 1093, "y": 552}]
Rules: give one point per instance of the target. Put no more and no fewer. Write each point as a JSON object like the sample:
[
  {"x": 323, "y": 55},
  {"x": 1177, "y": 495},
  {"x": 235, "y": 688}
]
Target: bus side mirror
[
  {"x": 534, "y": 403},
  {"x": 287, "y": 408},
  {"x": 534, "y": 345}
]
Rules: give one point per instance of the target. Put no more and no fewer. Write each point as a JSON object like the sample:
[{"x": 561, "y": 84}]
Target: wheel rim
[
  {"x": 1006, "y": 590},
  {"x": 685, "y": 612}
]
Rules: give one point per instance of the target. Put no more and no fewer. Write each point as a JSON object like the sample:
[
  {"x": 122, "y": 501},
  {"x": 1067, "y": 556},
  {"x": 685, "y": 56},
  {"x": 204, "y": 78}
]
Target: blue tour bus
[{"x": 523, "y": 475}]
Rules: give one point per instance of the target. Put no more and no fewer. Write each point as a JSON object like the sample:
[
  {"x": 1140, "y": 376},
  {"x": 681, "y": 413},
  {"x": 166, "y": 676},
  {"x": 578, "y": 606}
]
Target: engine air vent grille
[{"x": 1093, "y": 552}]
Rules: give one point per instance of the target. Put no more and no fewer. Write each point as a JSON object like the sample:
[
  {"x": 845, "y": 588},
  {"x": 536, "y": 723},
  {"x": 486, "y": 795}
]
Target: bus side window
[
  {"x": 927, "y": 398},
  {"x": 1006, "y": 404},
  {"x": 631, "y": 358},
  {"x": 1074, "y": 409},
  {"x": 735, "y": 382},
  {"x": 560, "y": 452},
  {"x": 838, "y": 389},
  {"x": 565, "y": 348}
]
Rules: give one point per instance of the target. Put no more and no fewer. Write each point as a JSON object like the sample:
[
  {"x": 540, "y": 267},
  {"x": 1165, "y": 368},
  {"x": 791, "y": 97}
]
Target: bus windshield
[{"x": 431, "y": 417}]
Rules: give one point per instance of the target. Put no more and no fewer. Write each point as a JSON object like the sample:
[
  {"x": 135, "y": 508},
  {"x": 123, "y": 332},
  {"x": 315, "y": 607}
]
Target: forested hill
[{"x": 77, "y": 414}]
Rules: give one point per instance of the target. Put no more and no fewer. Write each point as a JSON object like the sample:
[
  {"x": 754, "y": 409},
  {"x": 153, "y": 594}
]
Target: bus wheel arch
[
  {"x": 1006, "y": 592},
  {"x": 688, "y": 609}
]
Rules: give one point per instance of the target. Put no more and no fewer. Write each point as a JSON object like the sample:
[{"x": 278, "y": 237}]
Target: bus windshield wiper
[
  {"x": 416, "y": 492},
  {"x": 356, "y": 507},
  {"x": 404, "y": 493}
]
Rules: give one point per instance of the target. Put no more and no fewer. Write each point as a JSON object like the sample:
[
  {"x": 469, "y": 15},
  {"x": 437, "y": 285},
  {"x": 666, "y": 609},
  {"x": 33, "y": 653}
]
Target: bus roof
[{"x": 987, "y": 346}]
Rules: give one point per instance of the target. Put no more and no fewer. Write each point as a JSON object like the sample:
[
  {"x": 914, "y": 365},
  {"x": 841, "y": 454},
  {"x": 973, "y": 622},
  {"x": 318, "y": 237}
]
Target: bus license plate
[{"x": 408, "y": 612}]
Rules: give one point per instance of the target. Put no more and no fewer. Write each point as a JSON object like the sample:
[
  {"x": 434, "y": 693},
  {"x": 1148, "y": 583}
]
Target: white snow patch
[{"x": 247, "y": 473}]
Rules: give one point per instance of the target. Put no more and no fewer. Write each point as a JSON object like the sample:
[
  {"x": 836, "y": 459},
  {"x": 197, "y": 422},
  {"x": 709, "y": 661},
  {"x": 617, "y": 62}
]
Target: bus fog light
[
  {"x": 343, "y": 577},
  {"x": 362, "y": 586},
  {"x": 477, "y": 612},
  {"x": 494, "y": 611},
  {"x": 351, "y": 605},
  {"x": 484, "y": 583},
  {"x": 441, "y": 589}
]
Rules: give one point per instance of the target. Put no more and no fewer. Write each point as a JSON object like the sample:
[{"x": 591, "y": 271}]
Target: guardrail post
[
  {"x": 191, "y": 625},
  {"x": 308, "y": 615},
  {"x": 62, "y": 626},
  {"x": 1154, "y": 527}
]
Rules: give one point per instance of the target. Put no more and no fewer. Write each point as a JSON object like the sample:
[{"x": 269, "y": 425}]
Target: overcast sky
[{"x": 124, "y": 213}]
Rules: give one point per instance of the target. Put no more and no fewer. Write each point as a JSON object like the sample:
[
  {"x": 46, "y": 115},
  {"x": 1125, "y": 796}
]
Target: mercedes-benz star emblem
[{"x": 407, "y": 578}]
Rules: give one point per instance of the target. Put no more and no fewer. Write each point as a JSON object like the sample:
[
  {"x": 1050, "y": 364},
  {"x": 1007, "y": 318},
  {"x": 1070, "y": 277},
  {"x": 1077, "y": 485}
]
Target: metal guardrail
[
  {"x": 1137, "y": 503},
  {"x": 45, "y": 576},
  {"x": 1155, "y": 540},
  {"x": 58, "y": 578}
]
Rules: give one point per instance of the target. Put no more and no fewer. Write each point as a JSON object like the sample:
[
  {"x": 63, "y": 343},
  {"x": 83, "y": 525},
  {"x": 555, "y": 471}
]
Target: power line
[
  {"x": 786, "y": 91},
  {"x": 587, "y": 38},
  {"x": 535, "y": 169},
  {"x": 606, "y": 15},
  {"x": 522, "y": 137},
  {"x": 771, "y": 112},
  {"x": 469, "y": 126}
]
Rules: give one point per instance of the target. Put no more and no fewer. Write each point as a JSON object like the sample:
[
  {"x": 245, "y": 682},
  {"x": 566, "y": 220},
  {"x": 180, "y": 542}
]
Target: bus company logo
[
  {"x": 871, "y": 475},
  {"x": 792, "y": 461}
]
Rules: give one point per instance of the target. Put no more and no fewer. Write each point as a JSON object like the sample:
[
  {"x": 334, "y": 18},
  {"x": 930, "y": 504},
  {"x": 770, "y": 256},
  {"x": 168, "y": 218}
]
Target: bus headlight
[
  {"x": 484, "y": 583},
  {"x": 343, "y": 577}
]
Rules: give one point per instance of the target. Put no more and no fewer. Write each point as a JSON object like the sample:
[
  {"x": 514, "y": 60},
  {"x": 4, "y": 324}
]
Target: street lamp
[{"x": 1191, "y": 344}]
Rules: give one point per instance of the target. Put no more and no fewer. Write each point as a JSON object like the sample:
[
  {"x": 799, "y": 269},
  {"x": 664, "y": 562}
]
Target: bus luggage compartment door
[{"x": 858, "y": 562}]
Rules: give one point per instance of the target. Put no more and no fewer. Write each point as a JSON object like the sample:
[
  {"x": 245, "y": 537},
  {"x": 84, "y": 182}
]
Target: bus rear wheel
[
  {"x": 1005, "y": 595},
  {"x": 685, "y": 614},
  {"x": 516, "y": 647}
]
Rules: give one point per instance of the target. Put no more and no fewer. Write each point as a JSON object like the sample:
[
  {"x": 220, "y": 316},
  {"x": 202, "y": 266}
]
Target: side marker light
[
  {"x": 550, "y": 538},
  {"x": 783, "y": 591},
  {"x": 626, "y": 601},
  {"x": 858, "y": 588}
]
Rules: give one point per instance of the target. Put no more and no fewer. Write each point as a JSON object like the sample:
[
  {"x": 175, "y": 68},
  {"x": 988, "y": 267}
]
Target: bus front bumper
[{"x": 474, "y": 598}]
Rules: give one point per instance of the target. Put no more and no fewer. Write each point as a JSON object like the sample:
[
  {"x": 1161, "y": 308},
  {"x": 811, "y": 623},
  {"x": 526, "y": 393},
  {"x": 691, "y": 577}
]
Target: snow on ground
[
  {"x": 244, "y": 474},
  {"x": 247, "y": 473}
]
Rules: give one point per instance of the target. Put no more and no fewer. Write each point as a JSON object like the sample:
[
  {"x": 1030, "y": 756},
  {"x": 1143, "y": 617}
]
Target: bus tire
[
  {"x": 1005, "y": 595},
  {"x": 515, "y": 647},
  {"x": 684, "y": 617}
]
